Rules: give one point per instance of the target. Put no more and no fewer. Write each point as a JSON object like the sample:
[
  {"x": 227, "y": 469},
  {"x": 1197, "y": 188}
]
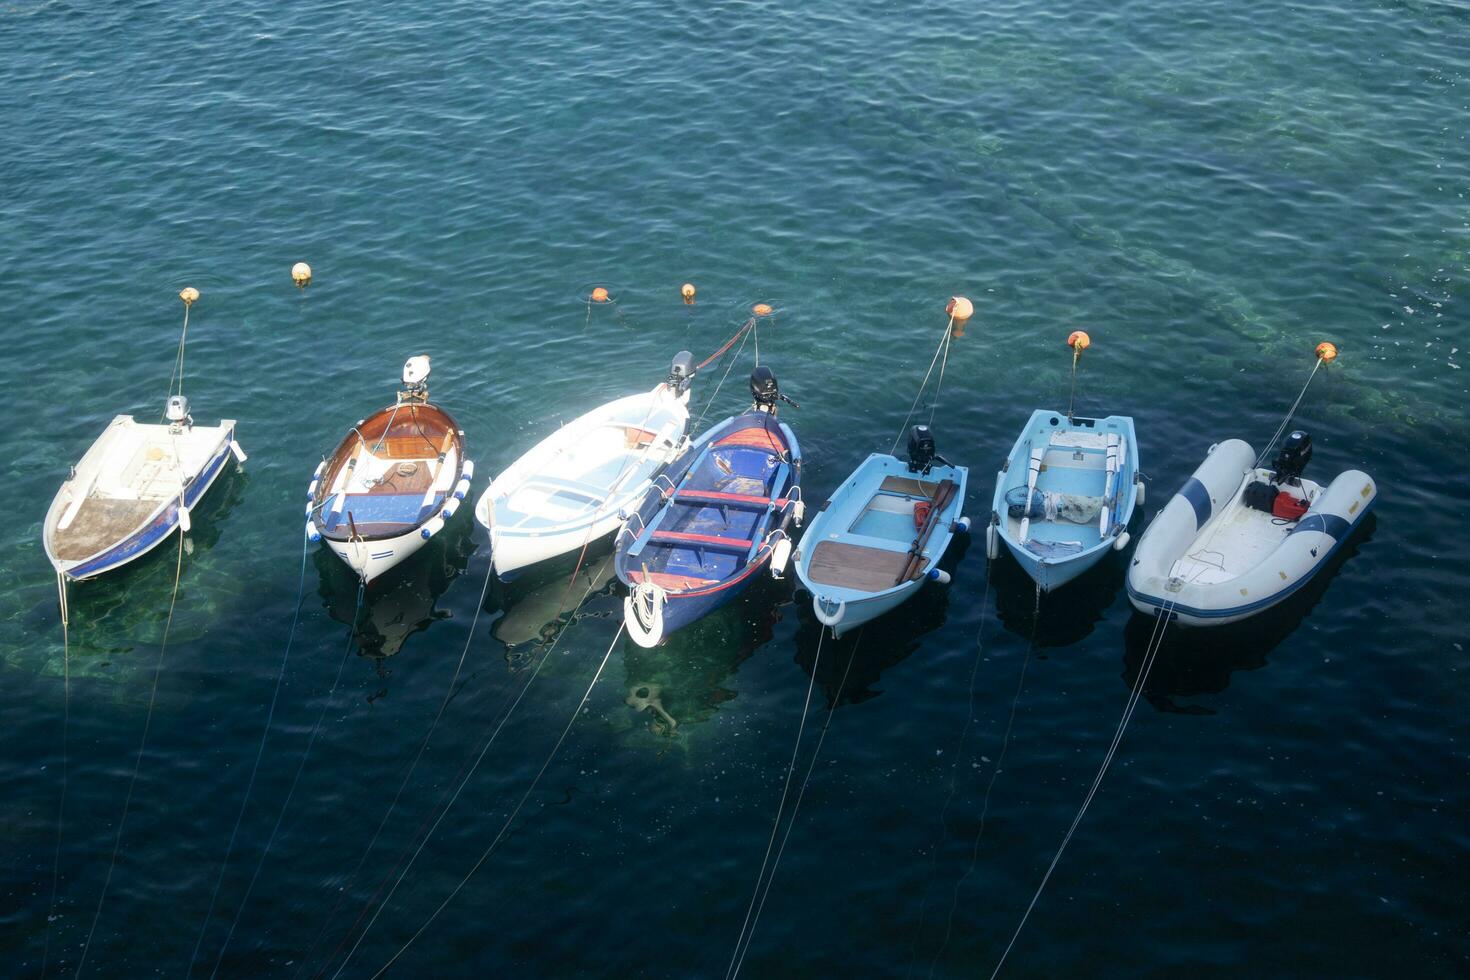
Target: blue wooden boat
[
  {"x": 710, "y": 522},
  {"x": 1065, "y": 495},
  {"x": 880, "y": 536}
]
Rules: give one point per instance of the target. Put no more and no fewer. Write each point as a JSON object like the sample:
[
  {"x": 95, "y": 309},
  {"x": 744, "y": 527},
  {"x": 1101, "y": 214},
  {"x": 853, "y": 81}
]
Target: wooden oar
[{"x": 941, "y": 500}]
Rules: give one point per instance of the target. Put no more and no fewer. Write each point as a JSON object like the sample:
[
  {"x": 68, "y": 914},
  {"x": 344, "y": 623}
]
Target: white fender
[
  {"x": 780, "y": 556},
  {"x": 240, "y": 456},
  {"x": 461, "y": 488},
  {"x": 1139, "y": 500},
  {"x": 962, "y": 525},
  {"x": 798, "y": 512},
  {"x": 312, "y": 534},
  {"x": 643, "y": 614},
  {"x": 432, "y": 528},
  {"x": 825, "y": 618},
  {"x": 1121, "y": 541},
  {"x": 992, "y": 544},
  {"x": 939, "y": 575},
  {"x": 184, "y": 523},
  {"x": 448, "y": 511},
  {"x": 467, "y": 472}
]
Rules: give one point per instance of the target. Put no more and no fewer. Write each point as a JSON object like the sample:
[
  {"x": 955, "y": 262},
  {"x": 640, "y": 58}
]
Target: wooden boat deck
[
  {"x": 100, "y": 523},
  {"x": 908, "y": 485},
  {"x": 854, "y": 566}
]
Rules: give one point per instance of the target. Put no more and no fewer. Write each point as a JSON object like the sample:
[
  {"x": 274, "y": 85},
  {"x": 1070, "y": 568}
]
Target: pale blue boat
[
  {"x": 880, "y": 536},
  {"x": 1065, "y": 495}
]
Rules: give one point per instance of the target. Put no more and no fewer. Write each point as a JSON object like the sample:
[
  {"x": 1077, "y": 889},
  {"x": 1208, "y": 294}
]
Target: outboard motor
[
  {"x": 415, "y": 379},
  {"x": 681, "y": 372},
  {"x": 921, "y": 450},
  {"x": 1296, "y": 453},
  {"x": 176, "y": 411}
]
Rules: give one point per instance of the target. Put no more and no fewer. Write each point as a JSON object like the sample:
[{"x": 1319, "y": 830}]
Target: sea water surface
[{"x": 1208, "y": 188}]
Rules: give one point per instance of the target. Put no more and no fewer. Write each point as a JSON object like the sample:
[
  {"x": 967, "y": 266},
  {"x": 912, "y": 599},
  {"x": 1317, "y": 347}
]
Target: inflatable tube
[{"x": 1199, "y": 563}]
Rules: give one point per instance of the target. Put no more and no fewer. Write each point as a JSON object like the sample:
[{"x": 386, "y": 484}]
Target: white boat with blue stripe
[
  {"x": 1238, "y": 539},
  {"x": 880, "y": 536},
  {"x": 130, "y": 491},
  {"x": 1065, "y": 495}
]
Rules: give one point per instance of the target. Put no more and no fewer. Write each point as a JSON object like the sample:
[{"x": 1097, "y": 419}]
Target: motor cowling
[
  {"x": 1292, "y": 460},
  {"x": 681, "y": 371},
  {"x": 764, "y": 390},
  {"x": 921, "y": 449},
  {"x": 176, "y": 410}
]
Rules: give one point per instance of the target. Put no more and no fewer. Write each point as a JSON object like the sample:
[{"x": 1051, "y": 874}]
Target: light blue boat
[
  {"x": 880, "y": 536},
  {"x": 1065, "y": 495}
]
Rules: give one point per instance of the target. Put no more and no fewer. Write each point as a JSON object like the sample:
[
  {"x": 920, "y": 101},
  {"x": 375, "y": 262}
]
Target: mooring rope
[
  {"x": 944, "y": 348},
  {"x": 295, "y": 779},
  {"x": 780, "y": 807},
  {"x": 1156, "y": 640},
  {"x": 1000, "y": 758},
  {"x": 1289, "y": 413},
  {"x": 138, "y": 763},
  {"x": 444, "y": 812},
  {"x": 259, "y": 753},
  {"x": 513, "y": 813},
  {"x": 796, "y": 807},
  {"x": 711, "y": 399},
  {"x": 65, "y": 756},
  {"x": 178, "y": 369}
]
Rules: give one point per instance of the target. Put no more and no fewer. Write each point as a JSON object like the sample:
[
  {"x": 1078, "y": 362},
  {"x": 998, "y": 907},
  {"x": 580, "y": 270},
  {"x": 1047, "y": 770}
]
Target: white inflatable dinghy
[{"x": 1237, "y": 539}]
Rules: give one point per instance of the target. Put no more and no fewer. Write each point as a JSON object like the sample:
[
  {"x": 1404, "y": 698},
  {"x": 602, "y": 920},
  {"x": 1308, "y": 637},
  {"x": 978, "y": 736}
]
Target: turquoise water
[{"x": 1208, "y": 188}]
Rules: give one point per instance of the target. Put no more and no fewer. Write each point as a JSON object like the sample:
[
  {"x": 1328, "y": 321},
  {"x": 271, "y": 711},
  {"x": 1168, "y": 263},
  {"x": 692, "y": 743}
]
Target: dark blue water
[{"x": 1208, "y": 188}]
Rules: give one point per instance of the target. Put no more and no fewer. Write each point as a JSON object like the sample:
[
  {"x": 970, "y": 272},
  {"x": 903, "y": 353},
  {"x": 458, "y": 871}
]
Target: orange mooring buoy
[
  {"x": 599, "y": 295},
  {"x": 189, "y": 295},
  {"x": 687, "y": 291},
  {"x": 1078, "y": 340},
  {"x": 959, "y": 309},
  {"x": 1326, "y": 351},
  {"x": 762, "y": 309}
]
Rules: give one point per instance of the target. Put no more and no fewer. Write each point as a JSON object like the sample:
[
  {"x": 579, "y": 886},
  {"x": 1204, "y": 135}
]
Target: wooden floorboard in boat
[
  {"x": 99, "y": 524},
  {"x": 853, "y": 566},
  {"x": 910, "y": 486}
]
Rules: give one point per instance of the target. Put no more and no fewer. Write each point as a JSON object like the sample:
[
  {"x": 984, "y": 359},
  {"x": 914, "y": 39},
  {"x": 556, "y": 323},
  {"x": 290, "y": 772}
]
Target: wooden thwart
[
  {"x": 855, "y": 566},
  {"x": 908, "y": 485}
]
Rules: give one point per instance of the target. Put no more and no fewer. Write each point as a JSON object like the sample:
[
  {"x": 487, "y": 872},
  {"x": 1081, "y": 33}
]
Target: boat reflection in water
[
  {"x": 1199, "y": 661},
  {"x": 877, "y": 645},
  {"x": 1062, "y": 617},
  {"x": 546, "y": 599},
  {"x": 402, "y": 600},
  {"x": 681, "y": 683}
]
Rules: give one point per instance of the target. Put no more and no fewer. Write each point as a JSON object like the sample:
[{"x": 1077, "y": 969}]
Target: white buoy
[{"x": 301, "y": 275}]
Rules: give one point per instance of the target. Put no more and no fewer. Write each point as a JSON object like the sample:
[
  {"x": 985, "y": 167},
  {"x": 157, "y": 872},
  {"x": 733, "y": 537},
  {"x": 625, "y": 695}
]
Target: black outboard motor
[
  {"x": 681, "y": 372},
  {"x": 765, "y": 392},
  {"x": 921, "y": 450},
  {"x": 1296, "y": 453}
]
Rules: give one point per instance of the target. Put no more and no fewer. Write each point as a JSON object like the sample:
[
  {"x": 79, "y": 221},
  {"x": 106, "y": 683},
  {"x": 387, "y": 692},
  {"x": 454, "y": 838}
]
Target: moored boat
[
  {"x": 1238, "y": 539},
  {"x": 710, "y": 522},
  {"x": 392, "y": 481},
  {"x": 577, "y": 484},
  {"x": 881, "y": 534},
  {"x": 1065, "y": 495}
]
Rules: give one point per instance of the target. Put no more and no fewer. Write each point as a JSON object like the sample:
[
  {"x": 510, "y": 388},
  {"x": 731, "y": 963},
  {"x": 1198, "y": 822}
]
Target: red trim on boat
[
  {"x": 679, "y": 537},
  {"x": 664, "y": 580},
  {"x": 755, "y": 436}
]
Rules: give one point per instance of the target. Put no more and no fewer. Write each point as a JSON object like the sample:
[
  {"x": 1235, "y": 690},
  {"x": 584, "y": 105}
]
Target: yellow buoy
[
  {"x": 1326, "y": 351},
  {"x": 189, "y": 295},
  {"x": 1078, "y": 340},
  {"x": 599, "y": 295},
  {"x": 762, "y": 309},
  {"x": 959, "y": 308},
  {"x": 687, "y": 291},
  {"x": 301, "y": 275}
]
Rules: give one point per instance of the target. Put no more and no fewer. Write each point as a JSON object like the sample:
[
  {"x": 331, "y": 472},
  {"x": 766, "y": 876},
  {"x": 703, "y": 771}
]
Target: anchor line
[
  {"x": 463, "y": 781},
  {"x": 711, "y": 399},
  {"x": 513, "y": 813},
  {"x": 1289, "y": 413},
  {"x": 744, "y": 327},
  {"x": 959, "y": 754},
  {"x": 1005, "y": 744},
  {"x": 295, "y": 779},
  {"x": 1156, "y": 641},
  {"x": 796, "y": 807},
  {"x": 942, "y": 348},
  {"x": 65, "y": 757},
  {"x": 138, "y": 762},
  {"x": 178, "y": 369},
  {"x": 259, "y": 753},
  {"x": 780, "y": 807}
]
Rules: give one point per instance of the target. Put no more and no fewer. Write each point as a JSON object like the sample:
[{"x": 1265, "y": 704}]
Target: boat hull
[
  {"x": 1207, "y": 560},
  {"x": 156, "y": 527}
]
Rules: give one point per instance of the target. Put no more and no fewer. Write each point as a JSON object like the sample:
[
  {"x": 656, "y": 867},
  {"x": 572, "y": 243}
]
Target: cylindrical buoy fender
[
  {"x": 780, "y": 556},
  {"x": 1121, "y": 541},
  {"x": 432, "y": 528},
  {"x": 184, "y": 522},
  {"x": 1138, "y": 500},
  {"x": 467, "y": 472},
  {"x": 312, "y": 534},
  {"x": 992, "y": 543},
  {"x": 939, "y": 575},
  {"x": 461, "y": 489},
  {"x": 962, "y": 526}
]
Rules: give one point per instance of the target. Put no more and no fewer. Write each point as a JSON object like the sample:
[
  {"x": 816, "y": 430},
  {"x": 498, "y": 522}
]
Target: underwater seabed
[
  {"x": 545, "y": 599},
  {"x": 403, "y": 600},
  {"x": 877, "y": 645},
  {"x": 1195, "y": 661},
  {"x": 117, "y": 620},
  {"x": 674, "y": 688}
]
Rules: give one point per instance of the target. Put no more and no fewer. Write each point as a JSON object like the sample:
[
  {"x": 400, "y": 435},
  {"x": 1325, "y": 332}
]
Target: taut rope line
[
  {"x": 138, "y": 763},
  {"x": 513, "y": 813},
  {"x": 65, "y": 736},
  {"x": 1289, "y": 413},
  {"x": 780, "y": 807},
  {"x": 259, "y": 753},
  {"x": 942, "y": 348},
  {"x": 295, "y": 779},
  {"x": 796, "y": 807}
]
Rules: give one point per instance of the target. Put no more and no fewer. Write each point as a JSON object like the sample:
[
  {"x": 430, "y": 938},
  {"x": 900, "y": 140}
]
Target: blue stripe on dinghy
[
  {"x": 1199, "y": 498},
  {"x": 1329, "y": 524}
]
